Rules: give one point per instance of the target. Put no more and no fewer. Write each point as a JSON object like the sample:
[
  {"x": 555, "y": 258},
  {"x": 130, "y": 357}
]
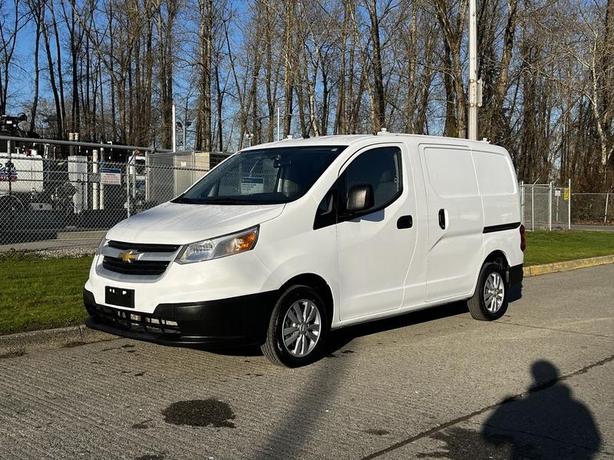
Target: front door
[{"x": 376, "y": 248}]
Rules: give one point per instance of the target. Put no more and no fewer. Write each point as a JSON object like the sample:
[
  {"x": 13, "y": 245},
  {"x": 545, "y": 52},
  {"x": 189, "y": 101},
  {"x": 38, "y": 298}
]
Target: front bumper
[{"x": 238, "y": 320}]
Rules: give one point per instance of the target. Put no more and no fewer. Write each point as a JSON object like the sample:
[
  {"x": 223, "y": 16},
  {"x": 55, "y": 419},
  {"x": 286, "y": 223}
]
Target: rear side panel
[{"x": 498, "y": 187}]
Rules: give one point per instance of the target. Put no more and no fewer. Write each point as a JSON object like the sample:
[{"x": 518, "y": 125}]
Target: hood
[{"x": 178, "y": 223}]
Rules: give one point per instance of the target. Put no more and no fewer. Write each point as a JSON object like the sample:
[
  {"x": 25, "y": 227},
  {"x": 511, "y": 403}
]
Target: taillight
[{"x": 523, "y": 240}]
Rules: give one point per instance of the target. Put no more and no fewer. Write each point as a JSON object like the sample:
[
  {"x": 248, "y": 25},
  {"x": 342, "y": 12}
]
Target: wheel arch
[
  {"x": 494, "y": 256},
  {"x": 319, "y": 284},
  {"x": 497, "y": 256}
]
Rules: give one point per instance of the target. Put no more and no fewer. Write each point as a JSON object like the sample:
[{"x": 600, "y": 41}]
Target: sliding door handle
[
  {"x": 405, "y": 222},
  {"x": 442, "y": 219}
]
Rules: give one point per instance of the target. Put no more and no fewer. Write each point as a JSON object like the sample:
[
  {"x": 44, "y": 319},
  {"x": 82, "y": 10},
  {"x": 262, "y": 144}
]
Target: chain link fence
[
  {"x": 593, "y": 209},
  {"x": 48, "y": 203},
  {"x": 551, "y": 207},
  {"x": 545, "y": 206}
]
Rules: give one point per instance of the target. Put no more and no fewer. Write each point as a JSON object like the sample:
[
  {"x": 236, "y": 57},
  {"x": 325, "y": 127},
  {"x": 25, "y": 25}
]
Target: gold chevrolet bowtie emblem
[{"x": 128, "y": 256}]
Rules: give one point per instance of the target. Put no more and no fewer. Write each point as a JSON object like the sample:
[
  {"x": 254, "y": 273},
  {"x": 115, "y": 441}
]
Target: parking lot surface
[{"x": 434, "y": 384}]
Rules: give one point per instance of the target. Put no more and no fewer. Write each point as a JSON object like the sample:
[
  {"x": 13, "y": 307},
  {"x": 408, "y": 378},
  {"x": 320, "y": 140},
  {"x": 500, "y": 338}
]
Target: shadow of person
[{"x": 546, "y": 423}]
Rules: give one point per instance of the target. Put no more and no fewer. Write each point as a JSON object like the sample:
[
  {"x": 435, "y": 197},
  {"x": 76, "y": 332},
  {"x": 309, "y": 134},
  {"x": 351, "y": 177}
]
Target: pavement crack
[{"x": 464, "y": 418}]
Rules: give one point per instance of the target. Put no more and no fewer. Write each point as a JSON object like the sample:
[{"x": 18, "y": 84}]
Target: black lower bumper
[
  {"x": 516, "y": 274},
  {"x": 238, "y": 320}
]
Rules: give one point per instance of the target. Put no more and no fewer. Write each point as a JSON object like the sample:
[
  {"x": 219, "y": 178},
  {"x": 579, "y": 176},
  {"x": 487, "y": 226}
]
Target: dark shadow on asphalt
[
  {"x": 342, "y": 337},
  {"x": 515, "y": 293},
  {"x": 546, "y": 422}
]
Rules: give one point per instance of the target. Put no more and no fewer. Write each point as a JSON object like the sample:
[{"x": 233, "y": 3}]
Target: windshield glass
[{"x": 267, "y": 176}]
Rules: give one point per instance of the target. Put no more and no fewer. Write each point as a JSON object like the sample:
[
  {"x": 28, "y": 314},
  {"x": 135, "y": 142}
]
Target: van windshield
[{"x": 267, "y": 176}]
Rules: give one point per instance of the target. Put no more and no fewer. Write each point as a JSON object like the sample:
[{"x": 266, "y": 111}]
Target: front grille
[
  {"x": 138, "y": 267},
  {"x": 143, "y": 247},
  {"x": 134, "y": 321}
]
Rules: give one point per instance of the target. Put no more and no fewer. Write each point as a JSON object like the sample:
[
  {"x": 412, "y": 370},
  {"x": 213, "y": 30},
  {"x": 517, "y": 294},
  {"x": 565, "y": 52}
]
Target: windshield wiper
[{"x": 213, "y": 200}]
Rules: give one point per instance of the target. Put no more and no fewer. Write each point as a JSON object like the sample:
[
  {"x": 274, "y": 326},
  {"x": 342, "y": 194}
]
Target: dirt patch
[
  {"x": 13, "y": 354},
  {"x": 377, "y": 431},
  {"x": 200, "y": 413}
]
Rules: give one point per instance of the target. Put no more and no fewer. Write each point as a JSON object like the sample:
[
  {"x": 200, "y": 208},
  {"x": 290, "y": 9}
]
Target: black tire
[
  {"x": 477, "y": 303},
  {"x": 274, "y": 348}
]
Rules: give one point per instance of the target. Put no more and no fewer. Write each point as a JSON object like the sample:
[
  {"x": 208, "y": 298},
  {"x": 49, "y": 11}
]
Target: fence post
[
  {"x": 569, "y": 204},
  {"x": 101, "y": 202},
  {"x": 522, "y": 201},
  {"x": 128, "y": 188},
  {"x": 95, "y": 180},
  {"x": 550, "y": 206},
  {"x": 532, "y": 207},
  {"x": 605, "y": 215}
]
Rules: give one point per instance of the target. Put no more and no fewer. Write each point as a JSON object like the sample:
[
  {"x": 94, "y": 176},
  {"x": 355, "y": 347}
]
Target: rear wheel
[
  {"x": 490, "y": 300},
  {"x": 298, "y": 327}
]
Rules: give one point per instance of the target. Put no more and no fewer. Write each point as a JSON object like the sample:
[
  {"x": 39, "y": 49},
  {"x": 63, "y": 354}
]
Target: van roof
[{"x": 346, "y": 140}]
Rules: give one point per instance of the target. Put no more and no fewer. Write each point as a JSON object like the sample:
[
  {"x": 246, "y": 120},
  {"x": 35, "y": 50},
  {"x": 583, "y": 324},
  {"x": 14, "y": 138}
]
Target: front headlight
[
  {"x": 222, "y": 246},
  {"x": 102, "y": 244}
]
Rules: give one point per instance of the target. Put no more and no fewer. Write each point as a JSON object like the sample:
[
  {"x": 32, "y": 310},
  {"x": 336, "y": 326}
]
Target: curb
[
  {"x": 536, "y": 270},
  {"x": 27, "y": 342}
]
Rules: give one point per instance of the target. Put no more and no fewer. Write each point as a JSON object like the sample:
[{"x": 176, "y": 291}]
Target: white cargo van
[{"x": 283, "y": 242}]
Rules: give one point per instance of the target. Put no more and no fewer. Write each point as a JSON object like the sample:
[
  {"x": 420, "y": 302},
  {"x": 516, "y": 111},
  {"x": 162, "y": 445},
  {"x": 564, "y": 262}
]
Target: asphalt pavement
[{"x": 539, "y": 383}]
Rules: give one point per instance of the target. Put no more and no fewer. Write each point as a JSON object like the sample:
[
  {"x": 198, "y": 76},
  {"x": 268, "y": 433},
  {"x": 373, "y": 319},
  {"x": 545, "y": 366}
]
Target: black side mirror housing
[{"x": 360, "y": 198}]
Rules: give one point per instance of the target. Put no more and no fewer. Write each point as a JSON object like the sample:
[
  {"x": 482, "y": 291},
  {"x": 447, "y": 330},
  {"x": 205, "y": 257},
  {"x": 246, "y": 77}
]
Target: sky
[{"x": 22, "y": 78}]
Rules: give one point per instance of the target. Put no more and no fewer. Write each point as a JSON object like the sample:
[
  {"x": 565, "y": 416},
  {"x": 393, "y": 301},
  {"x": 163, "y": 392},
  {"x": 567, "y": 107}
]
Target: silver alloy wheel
[
  {"x": 302, "y": 327},
  {"x": 494, "y": 292}
]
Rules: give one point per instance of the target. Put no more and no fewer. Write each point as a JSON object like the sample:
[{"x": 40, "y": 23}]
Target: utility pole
[
  {"x": 173, "y": 130},
  {"x": 278, "y": 123},
  {"x": 473, "y": 71}
]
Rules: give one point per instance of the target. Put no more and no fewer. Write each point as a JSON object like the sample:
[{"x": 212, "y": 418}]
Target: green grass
[
  {"x": 38, "y": 293},
  {"x": 557, "y": 246}
]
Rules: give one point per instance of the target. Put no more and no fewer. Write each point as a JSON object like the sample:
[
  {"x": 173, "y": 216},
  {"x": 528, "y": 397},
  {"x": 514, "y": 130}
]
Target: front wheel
[
  {"x": 489, "y": 302},
  {"x": 298, "y": 327}
]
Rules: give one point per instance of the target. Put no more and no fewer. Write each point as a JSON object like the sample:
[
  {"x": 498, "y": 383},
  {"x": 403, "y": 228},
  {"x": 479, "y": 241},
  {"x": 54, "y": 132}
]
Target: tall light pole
[
  {"x": 473, "y": 71},
  {"x": 278, "y": 124},
  {"x": 173, "y": 131}
]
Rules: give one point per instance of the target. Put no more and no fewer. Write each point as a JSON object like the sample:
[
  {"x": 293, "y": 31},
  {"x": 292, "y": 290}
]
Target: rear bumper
[
  {"x": 516, "y": 275},
  {"x": 238, "y": 320}
]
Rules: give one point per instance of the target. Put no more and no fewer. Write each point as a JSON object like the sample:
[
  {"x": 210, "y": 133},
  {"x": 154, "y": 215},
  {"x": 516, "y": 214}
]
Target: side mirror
[
  {"x": 360, "y": 197},
  {"x": 327, "y": 204}
]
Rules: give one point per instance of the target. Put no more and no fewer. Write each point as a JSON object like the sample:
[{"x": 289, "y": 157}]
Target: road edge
[
  {"x": 22, "y": 343},
  {"x": 568, "y": 265}
]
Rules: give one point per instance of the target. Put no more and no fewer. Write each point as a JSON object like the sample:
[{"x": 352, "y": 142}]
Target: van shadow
[
  {"x": 342, "y": 337},
  {"x": 515, "y": 293},
  {"x": 546, "y": 422}
]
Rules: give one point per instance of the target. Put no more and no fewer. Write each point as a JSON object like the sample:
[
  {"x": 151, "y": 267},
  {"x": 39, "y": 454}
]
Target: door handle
[
  {"x": 405, "y": 222},
  {"x": 442, "y": 219}
]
